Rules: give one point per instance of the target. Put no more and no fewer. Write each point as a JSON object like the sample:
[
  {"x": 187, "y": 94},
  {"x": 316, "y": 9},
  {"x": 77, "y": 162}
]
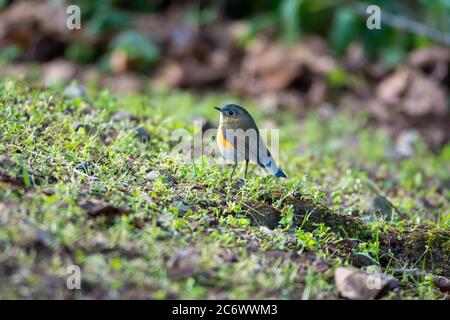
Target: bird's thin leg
[
  {"x": 235, "y": 157},
  {"x": 232, "y": 173},
  {"x": 246, "y": 167}
]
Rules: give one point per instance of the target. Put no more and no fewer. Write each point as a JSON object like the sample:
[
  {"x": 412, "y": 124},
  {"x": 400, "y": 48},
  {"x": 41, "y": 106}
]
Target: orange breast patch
[{"x": 221, "y": 139}]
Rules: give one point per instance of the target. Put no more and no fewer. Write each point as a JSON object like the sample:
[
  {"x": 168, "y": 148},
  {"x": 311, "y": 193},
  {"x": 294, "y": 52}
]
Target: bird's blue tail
[
  {"x": 280, "y": 174},
  {"x": 272, "y": 166}
]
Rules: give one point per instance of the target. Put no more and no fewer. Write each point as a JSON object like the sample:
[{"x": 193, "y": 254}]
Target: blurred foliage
[
  {"x": 343, "y": 22},
  {"x": 137, "y": 47},
  {"x": 80, "y": 52},
  {"x": 340, "y": 22},
  {"x": 11, "y": 53}
]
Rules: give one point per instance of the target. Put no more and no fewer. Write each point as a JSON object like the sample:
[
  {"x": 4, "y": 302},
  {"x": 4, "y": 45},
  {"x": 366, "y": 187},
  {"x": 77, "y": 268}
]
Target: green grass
[{"x": 186, "y": 232}]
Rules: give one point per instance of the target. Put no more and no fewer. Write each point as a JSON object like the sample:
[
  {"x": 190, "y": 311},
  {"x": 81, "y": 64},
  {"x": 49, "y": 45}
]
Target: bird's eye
[{"x": 230, "y": 113}]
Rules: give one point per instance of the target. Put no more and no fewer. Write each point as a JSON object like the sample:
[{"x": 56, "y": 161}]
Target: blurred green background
[
  {"x": 295, "y": 54},
  {"x": 111, "y": 24}
]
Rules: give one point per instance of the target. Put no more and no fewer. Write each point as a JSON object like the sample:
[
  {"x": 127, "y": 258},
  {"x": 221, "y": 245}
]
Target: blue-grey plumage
[{"x": 239, "y": 139}]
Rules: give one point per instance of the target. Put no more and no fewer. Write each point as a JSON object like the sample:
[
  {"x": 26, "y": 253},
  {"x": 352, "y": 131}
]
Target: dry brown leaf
[
  {"x": 169, "y": 76},
  {"x": 119, "y": 61},
  {"x": 277, "y": 67},
  {"x": 392, "y": 88},
  {"x": 424, "y": 96},
  {"x": 428, "y": 56},
  {"x": 28, "y": 12}
]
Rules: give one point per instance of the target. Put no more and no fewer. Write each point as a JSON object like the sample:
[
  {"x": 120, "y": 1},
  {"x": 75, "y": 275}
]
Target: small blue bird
[{"x": 238, "y": 139}]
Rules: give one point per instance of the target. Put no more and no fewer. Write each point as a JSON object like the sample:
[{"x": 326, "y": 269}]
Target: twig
[{"x": 408, "y": 25}]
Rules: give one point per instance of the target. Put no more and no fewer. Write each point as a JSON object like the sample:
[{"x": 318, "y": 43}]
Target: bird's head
[{"x": 233, "y": 114}]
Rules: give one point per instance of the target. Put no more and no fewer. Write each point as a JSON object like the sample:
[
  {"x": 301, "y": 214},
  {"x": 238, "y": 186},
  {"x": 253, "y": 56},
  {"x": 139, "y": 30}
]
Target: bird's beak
[{"x": 220, "y": 110}]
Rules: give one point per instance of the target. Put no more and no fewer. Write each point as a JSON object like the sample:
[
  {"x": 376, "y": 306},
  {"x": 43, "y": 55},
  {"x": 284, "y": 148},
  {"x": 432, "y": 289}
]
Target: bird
[{"x": 238, "y": 139}]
